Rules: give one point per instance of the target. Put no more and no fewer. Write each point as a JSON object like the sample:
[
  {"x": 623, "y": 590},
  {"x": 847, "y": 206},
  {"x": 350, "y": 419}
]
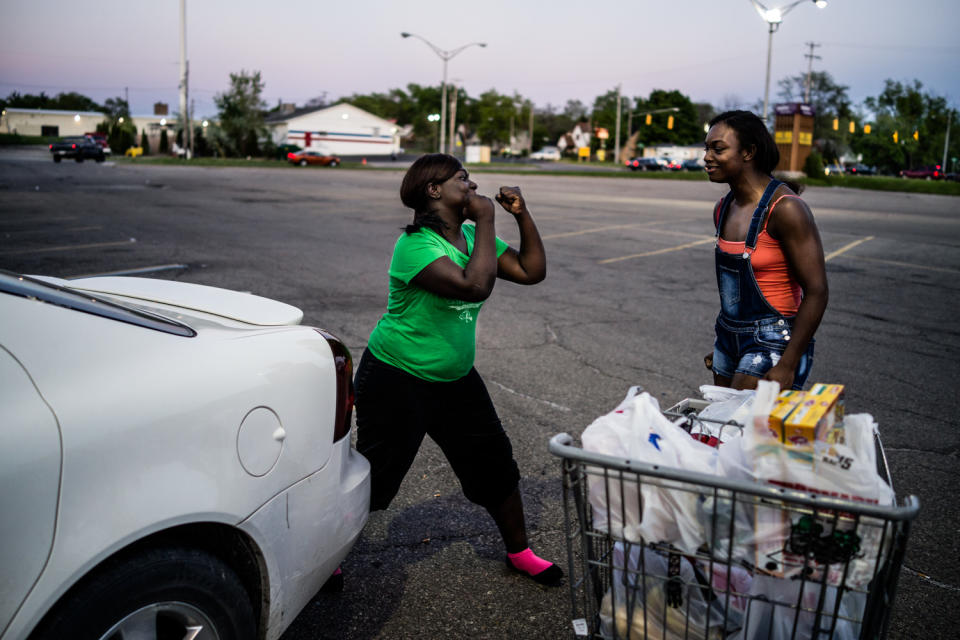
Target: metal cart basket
[{"x": 834, "y": 575}]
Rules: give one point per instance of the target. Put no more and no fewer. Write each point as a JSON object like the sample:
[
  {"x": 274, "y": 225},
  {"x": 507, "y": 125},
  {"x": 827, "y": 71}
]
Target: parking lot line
[
  {"x": 133, "y": 272},
  {"x": 68, "y": 247},
  {"x": 842, "y": 250},
  {"x": 907, "y": 265},
  {"x": 658, "y": 251}
]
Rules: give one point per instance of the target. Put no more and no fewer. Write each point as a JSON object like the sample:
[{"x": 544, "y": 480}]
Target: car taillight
[
  {"x": 344, "y": 369},
  {"x": 636, "y": 163},
  {"x": 291, "y": 156},
  {"x": 73, "y": 146},
  {"x": 51, "y": 147}
]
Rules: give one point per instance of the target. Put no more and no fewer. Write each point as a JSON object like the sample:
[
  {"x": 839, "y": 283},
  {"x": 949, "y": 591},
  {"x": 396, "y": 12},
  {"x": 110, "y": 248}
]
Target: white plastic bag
[
  {"x": 638, "y": 599},
  {"x": 660, "y": 511}
]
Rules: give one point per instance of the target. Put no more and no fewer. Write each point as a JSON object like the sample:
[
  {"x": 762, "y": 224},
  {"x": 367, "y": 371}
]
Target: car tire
[
  {"x": 79, "y": 158},
  {"x": 334, "y": 163},
  {"x": 303, "y": 163},
  {"x": 57, "y": 158},
  {"x": 165, "y": 590}
]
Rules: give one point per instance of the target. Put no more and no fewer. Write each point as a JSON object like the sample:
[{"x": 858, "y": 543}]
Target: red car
[
  {"x": 303, "y": 158},
  {"x": 932, "y": 172}
]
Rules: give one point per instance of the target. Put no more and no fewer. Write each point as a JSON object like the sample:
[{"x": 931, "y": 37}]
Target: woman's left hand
[
  {"x": 781, "y": 374},
  {"x": 512, "y": 200}
]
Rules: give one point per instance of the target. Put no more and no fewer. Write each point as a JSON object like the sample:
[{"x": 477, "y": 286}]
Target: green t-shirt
[{"x": 429, "y": 336}]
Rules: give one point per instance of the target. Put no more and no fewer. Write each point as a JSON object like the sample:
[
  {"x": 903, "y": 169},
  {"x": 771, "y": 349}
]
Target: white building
[
  {"x": 342, "y": 129},
  {"x": 49, "y": 122}
]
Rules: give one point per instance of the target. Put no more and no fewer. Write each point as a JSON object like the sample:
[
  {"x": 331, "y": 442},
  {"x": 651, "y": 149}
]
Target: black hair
[
  {"x": 753, "y": 133},
  {"x": 432, "y": 168}
]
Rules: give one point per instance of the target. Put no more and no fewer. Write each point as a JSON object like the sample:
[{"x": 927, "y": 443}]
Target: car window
[{"x": 26, "y": 287}]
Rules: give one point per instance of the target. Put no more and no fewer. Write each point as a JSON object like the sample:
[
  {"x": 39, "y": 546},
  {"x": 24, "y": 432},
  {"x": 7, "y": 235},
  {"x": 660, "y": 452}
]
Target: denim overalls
[{"x": 751, "y": 334}]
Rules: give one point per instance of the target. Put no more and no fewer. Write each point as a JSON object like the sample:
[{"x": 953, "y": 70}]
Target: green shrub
[{"x": 813, "y": 166}]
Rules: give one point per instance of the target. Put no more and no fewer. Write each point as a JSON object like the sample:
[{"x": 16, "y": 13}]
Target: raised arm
[
  {"x": 474, "y": 282},
  {"x": 793, "y": 226},
  {"x": 529, "y": 265}
]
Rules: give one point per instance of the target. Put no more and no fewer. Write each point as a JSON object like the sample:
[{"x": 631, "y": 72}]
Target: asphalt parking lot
[{"x": 629, "y": 299}]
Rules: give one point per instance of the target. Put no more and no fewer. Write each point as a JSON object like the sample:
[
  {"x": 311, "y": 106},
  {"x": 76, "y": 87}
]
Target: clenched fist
[{"x": 511, "y": 200}]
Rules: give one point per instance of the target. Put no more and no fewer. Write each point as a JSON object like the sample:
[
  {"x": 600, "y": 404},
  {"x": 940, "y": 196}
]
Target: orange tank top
[{"x": 770, "y": 268}]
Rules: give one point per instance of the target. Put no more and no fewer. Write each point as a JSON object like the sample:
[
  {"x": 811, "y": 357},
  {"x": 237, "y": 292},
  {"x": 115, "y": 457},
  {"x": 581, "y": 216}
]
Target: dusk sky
[{"x": 712, "y": 50}]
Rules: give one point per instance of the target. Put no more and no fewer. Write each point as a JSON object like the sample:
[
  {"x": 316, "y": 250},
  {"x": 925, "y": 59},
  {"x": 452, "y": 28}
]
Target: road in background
[{"x": 630, "y": 298}]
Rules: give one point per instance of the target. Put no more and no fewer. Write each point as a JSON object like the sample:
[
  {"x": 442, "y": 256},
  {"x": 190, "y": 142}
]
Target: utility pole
[
  {"x": 811, "y": 58},
  {"x": 453, "y": 117},
  {"x": 530, "y": 140},
  {"x": 616, "y": 138},
  {"x": 184, "y": 77},
  {"x": 946, "y": 141}
]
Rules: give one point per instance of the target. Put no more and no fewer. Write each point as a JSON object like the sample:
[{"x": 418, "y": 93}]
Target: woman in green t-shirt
[{"x": 416, "y": 376}]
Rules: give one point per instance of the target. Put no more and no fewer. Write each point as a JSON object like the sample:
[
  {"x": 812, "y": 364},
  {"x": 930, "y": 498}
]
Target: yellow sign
[
  {"x": 783, "y": 137},
  {"x": 805, "y": 138},
  {"x": 601, "y": 155},
  {"x": 583, "y": 152}
]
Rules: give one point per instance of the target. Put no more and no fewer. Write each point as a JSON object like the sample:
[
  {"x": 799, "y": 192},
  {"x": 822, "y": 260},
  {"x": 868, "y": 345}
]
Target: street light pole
[
  {"x": 445, "y": 56},
  {"x": 773, "y": 17}
]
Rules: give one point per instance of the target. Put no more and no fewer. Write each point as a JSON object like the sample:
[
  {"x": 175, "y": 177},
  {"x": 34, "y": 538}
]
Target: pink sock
[{"x": 529, "y": 562}]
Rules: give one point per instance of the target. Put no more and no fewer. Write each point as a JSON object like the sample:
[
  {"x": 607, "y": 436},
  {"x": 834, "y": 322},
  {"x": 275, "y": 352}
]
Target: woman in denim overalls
[{"x": 755, "y": 340}]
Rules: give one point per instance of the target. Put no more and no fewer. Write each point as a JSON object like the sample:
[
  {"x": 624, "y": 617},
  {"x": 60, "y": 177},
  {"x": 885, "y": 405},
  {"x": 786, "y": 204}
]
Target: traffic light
[
  {"x": 853, "y": 127},
  {"x": 896, "y": 138},
  {"x": 836, "y": 124},
  {"x": 670, "y": 122},
  {"x": 916, "y": 135},
  {"x": 866, "y": 129},
  {"x": 649, "y": 119}
]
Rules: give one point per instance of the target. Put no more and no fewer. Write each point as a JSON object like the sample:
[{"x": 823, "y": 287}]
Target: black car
[
  {"x": 859, "y": 169},
  {"x": 79, "y": 148},
  {"x": 646, "y": 164},
  {"x": 692, "y": 164}
]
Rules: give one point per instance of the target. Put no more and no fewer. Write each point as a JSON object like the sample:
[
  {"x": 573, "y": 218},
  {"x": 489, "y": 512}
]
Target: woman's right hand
[{"x": 478, "y": 208}]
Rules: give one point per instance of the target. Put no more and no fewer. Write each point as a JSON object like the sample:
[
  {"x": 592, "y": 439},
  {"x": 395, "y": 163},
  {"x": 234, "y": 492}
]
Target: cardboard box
[
  {"x": 787, "y": 401},
  {"x": 822, "y": 407}
]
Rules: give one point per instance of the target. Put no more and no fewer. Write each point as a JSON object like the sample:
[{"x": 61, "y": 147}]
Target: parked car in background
[
  {"x": 79, "y": 148},
  {"x": 648, "y": 163},
  {"x": 833, "y": 170},
  {"x": 546, "y": 153},
  {"x": 100, "y": 139},
  {"x": 860, "y": 169},
  {"x": 692, "y": 164},
  {"x": 175, "y": 460},
  {"x": 930, "y": 172},
  {"x": 285, "y": 150},
  {"x": 303, "y": 158},
  {"x": 673, "y": 164}
]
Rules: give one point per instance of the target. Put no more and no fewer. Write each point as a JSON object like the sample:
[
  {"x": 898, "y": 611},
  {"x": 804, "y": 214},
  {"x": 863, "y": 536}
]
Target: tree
[
  {"x": 120, "y": 130},
  {"x": 164, "y": 146},
  {"x": 905, "y": 109},
  {"x": 241, "y": 113},
  {"x": 62, "y": 101},
  {"x": 145, "y": 142},
  {"x": 687, "y": 124}
]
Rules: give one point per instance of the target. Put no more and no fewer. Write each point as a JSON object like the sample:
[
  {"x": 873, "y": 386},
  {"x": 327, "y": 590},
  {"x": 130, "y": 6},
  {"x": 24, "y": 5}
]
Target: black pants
[{"x": 396, "y": 409}]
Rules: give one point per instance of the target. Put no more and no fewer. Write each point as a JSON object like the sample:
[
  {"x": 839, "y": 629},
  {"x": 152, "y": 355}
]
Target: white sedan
[
  {"x": 546, "y": 153},
  {"x": 175, "y": 460}
]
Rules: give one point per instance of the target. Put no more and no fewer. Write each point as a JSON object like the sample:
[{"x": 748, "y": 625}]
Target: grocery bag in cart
[{"x": 669, "y": 537}]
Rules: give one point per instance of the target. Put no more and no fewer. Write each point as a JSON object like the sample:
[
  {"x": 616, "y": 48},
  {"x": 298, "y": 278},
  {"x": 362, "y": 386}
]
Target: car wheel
[
  {"x": 303, "y": 163},
  {"x": 57, "y": 158},
  {"x": 334, "y": 163},
  {"x": 162, "y": 593},
  {"x": 79, "y": 158}
]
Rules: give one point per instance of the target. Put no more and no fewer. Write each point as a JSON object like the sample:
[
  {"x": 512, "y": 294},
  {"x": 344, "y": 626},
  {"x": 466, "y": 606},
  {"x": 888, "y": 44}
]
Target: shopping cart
[{"x": 833, "y": 575}]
